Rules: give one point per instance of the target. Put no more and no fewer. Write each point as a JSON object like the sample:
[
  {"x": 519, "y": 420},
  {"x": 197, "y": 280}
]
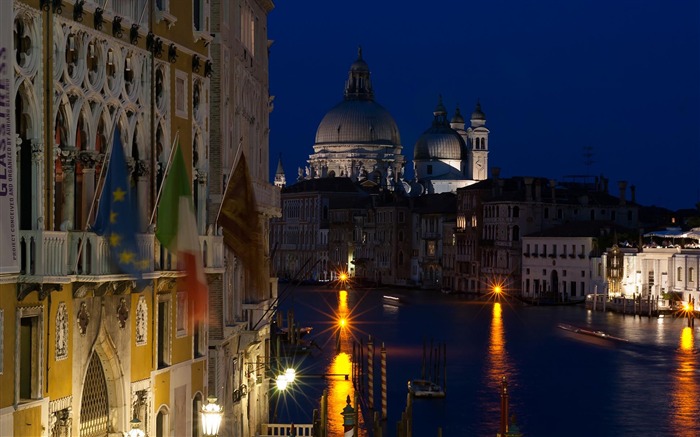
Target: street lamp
[
  {"x": 136, "y": 430},
  {"x": 212, "y": 413}
]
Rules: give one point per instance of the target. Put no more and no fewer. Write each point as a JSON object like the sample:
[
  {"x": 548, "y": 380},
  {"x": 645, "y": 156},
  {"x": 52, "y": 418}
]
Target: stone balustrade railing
[
  {"x": 285, "y": 429},
  {"x": 61, "y": 254}
]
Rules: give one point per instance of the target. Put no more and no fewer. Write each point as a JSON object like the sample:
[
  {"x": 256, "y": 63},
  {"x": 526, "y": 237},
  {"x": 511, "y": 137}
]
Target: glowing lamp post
[
  {"x": 212, "y": 413},
  {"x": 136, "y": 430}
]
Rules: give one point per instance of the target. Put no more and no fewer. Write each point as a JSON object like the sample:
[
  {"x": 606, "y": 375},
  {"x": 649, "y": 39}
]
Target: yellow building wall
[
  {"x": 7, "y": 379},
  {"x": 60, "y": 373},
  {"x": 161, "y": 390},
  {"x": 182, "y": 346},
  {"x": 198, "y": 377},
  {"x": 27, "y": 422},
  {"x": 142, "y": 361}
]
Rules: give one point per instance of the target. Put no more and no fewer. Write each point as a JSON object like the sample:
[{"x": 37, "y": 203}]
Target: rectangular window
[
  {"x": 181, "y": 314},
  {"x": 583, "y": 288},
  {"x": 181, "y": 94},
  {"x": 401, "y": 217},
  {"x": 164, "y": 322},
  {"x": 29, "y": 353},
  {"x": 573, "y": 288},
  {"x": 430, "y": 250}
]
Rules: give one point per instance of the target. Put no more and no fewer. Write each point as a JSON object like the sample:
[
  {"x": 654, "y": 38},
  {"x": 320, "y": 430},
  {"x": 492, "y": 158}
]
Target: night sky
[{"x": 554, "y": 78}]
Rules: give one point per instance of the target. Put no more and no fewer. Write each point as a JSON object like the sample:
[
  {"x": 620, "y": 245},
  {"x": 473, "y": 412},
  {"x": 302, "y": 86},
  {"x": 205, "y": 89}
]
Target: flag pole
[
  {"x": 98, "y": 188},
  {"x": 233, "y": 166},
  {"x": 100, "y": 180},
  {"x": 165, "y": 174}
]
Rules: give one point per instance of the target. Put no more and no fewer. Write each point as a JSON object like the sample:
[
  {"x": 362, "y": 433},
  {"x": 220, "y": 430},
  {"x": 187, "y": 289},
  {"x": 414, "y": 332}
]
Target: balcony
[
  {"x": 55, "y": 256},
  {"x": 431, "y": 235}
]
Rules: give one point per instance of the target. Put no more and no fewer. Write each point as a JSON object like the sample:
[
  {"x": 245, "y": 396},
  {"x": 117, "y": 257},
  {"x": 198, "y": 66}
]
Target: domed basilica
[{"x": 359, "y": 139}]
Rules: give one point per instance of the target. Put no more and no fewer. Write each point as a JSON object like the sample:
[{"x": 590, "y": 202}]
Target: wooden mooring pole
[
  {"x": 370, "y": 371},
  {"x": 382, "y": 354}
]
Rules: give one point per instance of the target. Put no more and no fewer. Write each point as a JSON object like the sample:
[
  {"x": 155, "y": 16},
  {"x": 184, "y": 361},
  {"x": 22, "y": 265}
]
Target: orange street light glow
[
  {"x": 497, "y": 289},
  {"x": 343, "y": 322},
  {"x": 343, "y": 276}
]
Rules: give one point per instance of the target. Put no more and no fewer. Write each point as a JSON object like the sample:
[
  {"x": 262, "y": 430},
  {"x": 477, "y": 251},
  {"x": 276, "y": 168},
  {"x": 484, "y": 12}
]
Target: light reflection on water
[
  {"x": 338, "y": 387},
  {"x": 686, "y": 395},
  {"x": 649, "y": 385}
]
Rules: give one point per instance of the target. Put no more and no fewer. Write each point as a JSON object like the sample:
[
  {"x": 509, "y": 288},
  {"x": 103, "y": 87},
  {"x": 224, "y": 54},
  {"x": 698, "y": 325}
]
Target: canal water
[{"x": 560, "y": 383}]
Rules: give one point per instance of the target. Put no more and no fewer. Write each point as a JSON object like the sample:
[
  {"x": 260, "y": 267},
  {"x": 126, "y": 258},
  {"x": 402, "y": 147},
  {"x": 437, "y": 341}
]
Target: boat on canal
[
  {"x": 591, "y": 333},
  {"x": 421, "y": 388}
]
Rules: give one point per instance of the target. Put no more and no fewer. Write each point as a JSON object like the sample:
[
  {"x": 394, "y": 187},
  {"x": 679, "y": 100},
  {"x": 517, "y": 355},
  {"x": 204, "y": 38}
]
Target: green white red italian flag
[{"x": 176, "y": 229}]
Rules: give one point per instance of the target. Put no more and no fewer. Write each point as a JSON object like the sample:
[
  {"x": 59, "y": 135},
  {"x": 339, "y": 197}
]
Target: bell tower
[
  {"x": 280, "y": 178},
  {"x": 478, "y": 135}
]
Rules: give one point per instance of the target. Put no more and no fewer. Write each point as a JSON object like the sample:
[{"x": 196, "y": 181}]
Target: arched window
[
  {"x": 679, "y": 275},
  {"x": 691, "y": 273},
  {"x": 516, "y": 211},
  {"x": 162, "y": 423},
  {"x": 515, "y": 233}
]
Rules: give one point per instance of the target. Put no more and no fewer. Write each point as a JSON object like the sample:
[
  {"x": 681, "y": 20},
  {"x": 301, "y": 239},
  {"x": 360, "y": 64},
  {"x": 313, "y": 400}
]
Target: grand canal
[{"x": 560, "y": 383}]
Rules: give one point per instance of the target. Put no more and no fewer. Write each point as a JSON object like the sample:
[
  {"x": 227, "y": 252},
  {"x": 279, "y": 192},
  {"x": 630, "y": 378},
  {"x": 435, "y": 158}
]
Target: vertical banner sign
[{"x": 9, "y": 253}]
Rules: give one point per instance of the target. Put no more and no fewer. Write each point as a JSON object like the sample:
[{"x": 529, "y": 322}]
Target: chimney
[
  {"x": 552, "y": 184},
  {"x": 495, "y": 173},
  {"x": 528, "y": 189},
  {"x": 633, "y": 194},
  {"x": 538, "y": 190},
  {"x": 623, "y": 187}
]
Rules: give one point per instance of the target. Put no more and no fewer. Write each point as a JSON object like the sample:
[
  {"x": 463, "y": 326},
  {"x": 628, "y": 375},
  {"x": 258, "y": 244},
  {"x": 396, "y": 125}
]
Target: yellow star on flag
[
  {"x": 143, "y": 264},
  {"x": 126, "y": 257},
  {"x": 113, "y": 217},
  {"x": 119, "y": 194},
  {"x": 115, "y": 239}
]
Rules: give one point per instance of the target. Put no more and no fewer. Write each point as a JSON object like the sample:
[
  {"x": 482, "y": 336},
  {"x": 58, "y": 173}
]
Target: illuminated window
[{"x": 431, "y": 248}]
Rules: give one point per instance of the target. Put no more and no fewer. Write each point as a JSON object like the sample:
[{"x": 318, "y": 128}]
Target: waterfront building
[
  {"x": 85, "y": 347},
  {"x": 430, "y": 213},
  {"x": 665, "y": 267},
  {"x": 496, "y": 213},
  {"x": 563, "y": 263},
  {"x": 300, "y": 238}
]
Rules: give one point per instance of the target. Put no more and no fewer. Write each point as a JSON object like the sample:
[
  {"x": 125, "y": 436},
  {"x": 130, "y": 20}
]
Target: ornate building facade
[{"x": 85, "y": 347}]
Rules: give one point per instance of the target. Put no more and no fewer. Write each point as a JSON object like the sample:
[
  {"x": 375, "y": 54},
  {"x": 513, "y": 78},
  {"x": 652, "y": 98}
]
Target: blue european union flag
[{"x": 117, "y": 216}]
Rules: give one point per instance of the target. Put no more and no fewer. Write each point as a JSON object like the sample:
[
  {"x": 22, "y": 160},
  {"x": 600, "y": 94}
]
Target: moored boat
[{"x": 421, "y": 388}]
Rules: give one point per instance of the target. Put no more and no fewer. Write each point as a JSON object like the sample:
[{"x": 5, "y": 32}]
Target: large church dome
[
  {"x": 358, "y": 121},
  {"x": 358, "y": 138},
  {"x": 440, "y": 141}
]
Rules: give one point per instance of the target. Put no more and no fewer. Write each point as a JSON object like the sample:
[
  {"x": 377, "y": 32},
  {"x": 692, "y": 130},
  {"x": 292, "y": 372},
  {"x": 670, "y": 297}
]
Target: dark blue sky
[{"x": 553, "y": 77}]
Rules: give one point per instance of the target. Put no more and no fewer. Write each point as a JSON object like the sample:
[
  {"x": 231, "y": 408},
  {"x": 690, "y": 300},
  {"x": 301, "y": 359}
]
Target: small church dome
[{"x": 440, "y": 141}]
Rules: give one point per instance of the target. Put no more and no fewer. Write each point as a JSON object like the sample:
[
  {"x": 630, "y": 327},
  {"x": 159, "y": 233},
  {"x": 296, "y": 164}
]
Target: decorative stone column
[
  {"x": 142, "y": 167},
  {"x": 68, "y": 156},
  {"x": 37, "y": 169},
  {"x": 201, "y": 206},
  {"x": 88, "y": 160}
]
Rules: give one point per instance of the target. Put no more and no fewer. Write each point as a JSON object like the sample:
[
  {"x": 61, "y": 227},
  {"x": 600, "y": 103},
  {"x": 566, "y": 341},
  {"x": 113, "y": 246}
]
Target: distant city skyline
[{"x": 568, "y": 88}]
